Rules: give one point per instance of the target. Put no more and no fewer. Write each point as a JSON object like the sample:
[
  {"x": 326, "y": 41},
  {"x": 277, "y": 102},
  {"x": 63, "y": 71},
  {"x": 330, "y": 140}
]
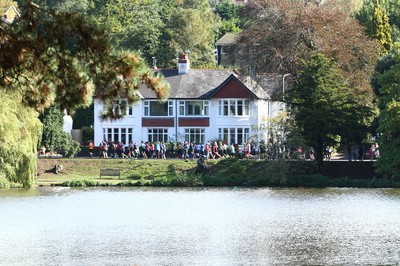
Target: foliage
[
  {"x": 279, "y": 34},
  {"x": 366, "y": 15},
  {"x": 83, "y": 117},
  {"x": 323, "y": 106},
  {"x": 177, "y": 179},
  {"x": 8, "y": 3},
  {"x": 64, "y": 59},
  {"x": 20, "y": 129},
  {"x": 315, "y": 180},
  {"x": 381, "y": 27},
  {"x": 54, "y": 138},
  {"x": 55, "y": 58},
  {"x": 229, "y": 13},
  {"x": 389, "y": 122},
  {"x": 160, "y": 29},
  {"x": 192, "y": 29}
]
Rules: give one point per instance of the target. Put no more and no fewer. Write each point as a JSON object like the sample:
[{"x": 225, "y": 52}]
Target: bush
[
  {"x": 82, "y": 183},
  {"x": 178, "y": 179},
  {"x": 68, "y": 147},
  {"x": 314, "y": 180},
  {"x": 54, "y": 138},
  {"x": 4, "y": 183}
]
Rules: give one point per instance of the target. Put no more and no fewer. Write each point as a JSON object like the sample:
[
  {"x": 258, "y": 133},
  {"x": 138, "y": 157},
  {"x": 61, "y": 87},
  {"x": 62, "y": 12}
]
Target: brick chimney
[{"x": 183, "y": 64}]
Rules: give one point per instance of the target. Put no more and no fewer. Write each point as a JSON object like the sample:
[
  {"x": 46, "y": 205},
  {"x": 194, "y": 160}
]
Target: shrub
[
  {"x": 82, "y": 183},
  {"x": 314, "y": 180},
  {"x": 4, "y": 183}
]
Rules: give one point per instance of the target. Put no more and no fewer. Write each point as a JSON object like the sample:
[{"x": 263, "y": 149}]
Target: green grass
[{"x": 88, "y": 170}]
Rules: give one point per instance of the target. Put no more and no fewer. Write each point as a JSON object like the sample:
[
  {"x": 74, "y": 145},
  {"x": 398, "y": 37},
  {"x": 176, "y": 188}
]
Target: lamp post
[
  {"x": 154, "y": 62},
  {"x": 284, "y": 104},
  {"x": 283, "y": 85}
]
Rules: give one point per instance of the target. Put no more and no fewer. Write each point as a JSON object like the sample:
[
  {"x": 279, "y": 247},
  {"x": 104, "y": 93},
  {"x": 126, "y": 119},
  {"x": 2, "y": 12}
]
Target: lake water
[{"x": 152, "y": 226}]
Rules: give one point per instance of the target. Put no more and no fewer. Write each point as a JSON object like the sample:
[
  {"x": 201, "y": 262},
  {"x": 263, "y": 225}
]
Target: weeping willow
[{"x": 20, "y": 131}]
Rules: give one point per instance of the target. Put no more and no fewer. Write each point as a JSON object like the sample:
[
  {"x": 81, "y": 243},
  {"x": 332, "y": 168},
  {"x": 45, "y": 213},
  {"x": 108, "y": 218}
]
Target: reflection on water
[{"x": 147, "y": 226}]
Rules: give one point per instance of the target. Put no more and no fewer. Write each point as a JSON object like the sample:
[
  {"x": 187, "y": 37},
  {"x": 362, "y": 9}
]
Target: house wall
[{"x": 260, "y": 110}]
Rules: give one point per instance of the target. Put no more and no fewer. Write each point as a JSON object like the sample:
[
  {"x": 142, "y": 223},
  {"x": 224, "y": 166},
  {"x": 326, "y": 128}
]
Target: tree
[
  {"x": 229, "y": 13},
  {"x": 161, "y": 29},
  {"x": 392, "y": 8},
  {"x": 134, "y": 25},
  {"x": 61, "y": 58},
  {"x": 381, "y": 27},
  {"x": 72, "y": 6},
  {"x": 190, "y": 32},
  {"x": 54, "y": 58},
  {"x": 388, "y": 83},
  {"x": 279, "y": 34},
  {"x": 324, "y": 107},
  {"x": 20, "y": 130}
]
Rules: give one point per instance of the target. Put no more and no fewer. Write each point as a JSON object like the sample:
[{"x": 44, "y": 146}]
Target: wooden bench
[{"x": 110, "y": 172}]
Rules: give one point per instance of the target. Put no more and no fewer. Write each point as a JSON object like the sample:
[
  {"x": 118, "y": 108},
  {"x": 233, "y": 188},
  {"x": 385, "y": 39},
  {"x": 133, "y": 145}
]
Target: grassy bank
[{"x": 226, "y": 172}]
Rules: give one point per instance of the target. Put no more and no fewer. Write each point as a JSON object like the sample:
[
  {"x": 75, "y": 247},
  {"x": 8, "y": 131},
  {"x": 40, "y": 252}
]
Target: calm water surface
[{"x": 63, "y": 226}]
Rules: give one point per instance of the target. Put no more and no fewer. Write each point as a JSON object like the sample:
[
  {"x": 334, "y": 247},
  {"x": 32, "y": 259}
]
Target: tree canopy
[
  {"x": 391, "y": 7},
  {"x": 324, "y": 107},
  {"x": 161, "y": 29},
  {"x": 281, "y": 33},
  {"x": 50, "y": 58},
  {"x": 63, "y": 59},
  {"x": 388, "y": 84}
]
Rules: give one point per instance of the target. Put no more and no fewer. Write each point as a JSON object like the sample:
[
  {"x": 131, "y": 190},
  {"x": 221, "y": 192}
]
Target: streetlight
[
  {"x": 284, "y": 104},
  {"x": 283, "y": 85},
  {"x": 154, "y": 62}
]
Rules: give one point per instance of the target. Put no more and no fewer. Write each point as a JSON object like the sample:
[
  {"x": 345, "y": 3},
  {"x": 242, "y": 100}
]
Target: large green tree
[
  {"x": 388, "y": 84},
  {"x": 161, "y": 29},
  {"x": 381, "y": 30},
  {"x": 325, "y": 107},
  {"x": 229, "y": 13},
  {"x": 54, "y": 58}
]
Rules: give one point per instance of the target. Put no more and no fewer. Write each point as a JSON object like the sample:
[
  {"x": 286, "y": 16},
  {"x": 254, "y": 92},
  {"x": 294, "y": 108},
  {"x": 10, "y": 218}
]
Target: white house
[{"x": 203, "y": 105}]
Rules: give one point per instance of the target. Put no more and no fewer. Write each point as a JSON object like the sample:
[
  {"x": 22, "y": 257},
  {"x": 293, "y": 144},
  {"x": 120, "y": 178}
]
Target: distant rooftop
[{"x": 228, "y": 39}]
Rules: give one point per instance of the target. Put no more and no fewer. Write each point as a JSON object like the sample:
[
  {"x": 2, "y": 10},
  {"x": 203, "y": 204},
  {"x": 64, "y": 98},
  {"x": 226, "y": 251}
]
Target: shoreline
[{"x": 85, "y": 172}]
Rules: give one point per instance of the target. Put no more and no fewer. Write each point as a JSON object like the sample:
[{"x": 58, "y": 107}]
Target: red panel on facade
[
  {"x": 194, "y": 122},
  {"x": 233, "y": 89},
  {"x": 157, "y": 122}
]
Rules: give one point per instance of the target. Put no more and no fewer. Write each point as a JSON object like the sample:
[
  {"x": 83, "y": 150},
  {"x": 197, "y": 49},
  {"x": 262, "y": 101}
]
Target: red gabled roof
[{"x": 232, "y": 87}]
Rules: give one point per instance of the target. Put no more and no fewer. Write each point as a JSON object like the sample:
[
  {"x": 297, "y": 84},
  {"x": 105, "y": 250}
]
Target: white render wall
[{"x": 260, "y": 110}]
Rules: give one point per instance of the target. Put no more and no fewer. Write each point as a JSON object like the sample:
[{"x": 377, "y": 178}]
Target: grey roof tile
[
  {"x": 200, "y": 84},
  {"x": 227, "y": 39}
]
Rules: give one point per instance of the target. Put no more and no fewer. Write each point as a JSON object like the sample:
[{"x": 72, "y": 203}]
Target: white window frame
[
  {"x": 147, "y": 108},
  {"x": 197, "y": 135},
  {"x": 153, "y": 134},
  {"x": 230, "y": 107},
  {"x": 203, "y": 105},
  {"x": 234, "y": 135},
  {"x": 117, "y": 134}
]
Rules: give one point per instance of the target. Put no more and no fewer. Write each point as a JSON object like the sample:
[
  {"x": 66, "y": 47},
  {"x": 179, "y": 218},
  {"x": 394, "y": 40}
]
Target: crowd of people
[
  {"x": 209, "y": 150},
  {"x": 359, "y": 152},
  {"x": 161, "y": 150}
]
